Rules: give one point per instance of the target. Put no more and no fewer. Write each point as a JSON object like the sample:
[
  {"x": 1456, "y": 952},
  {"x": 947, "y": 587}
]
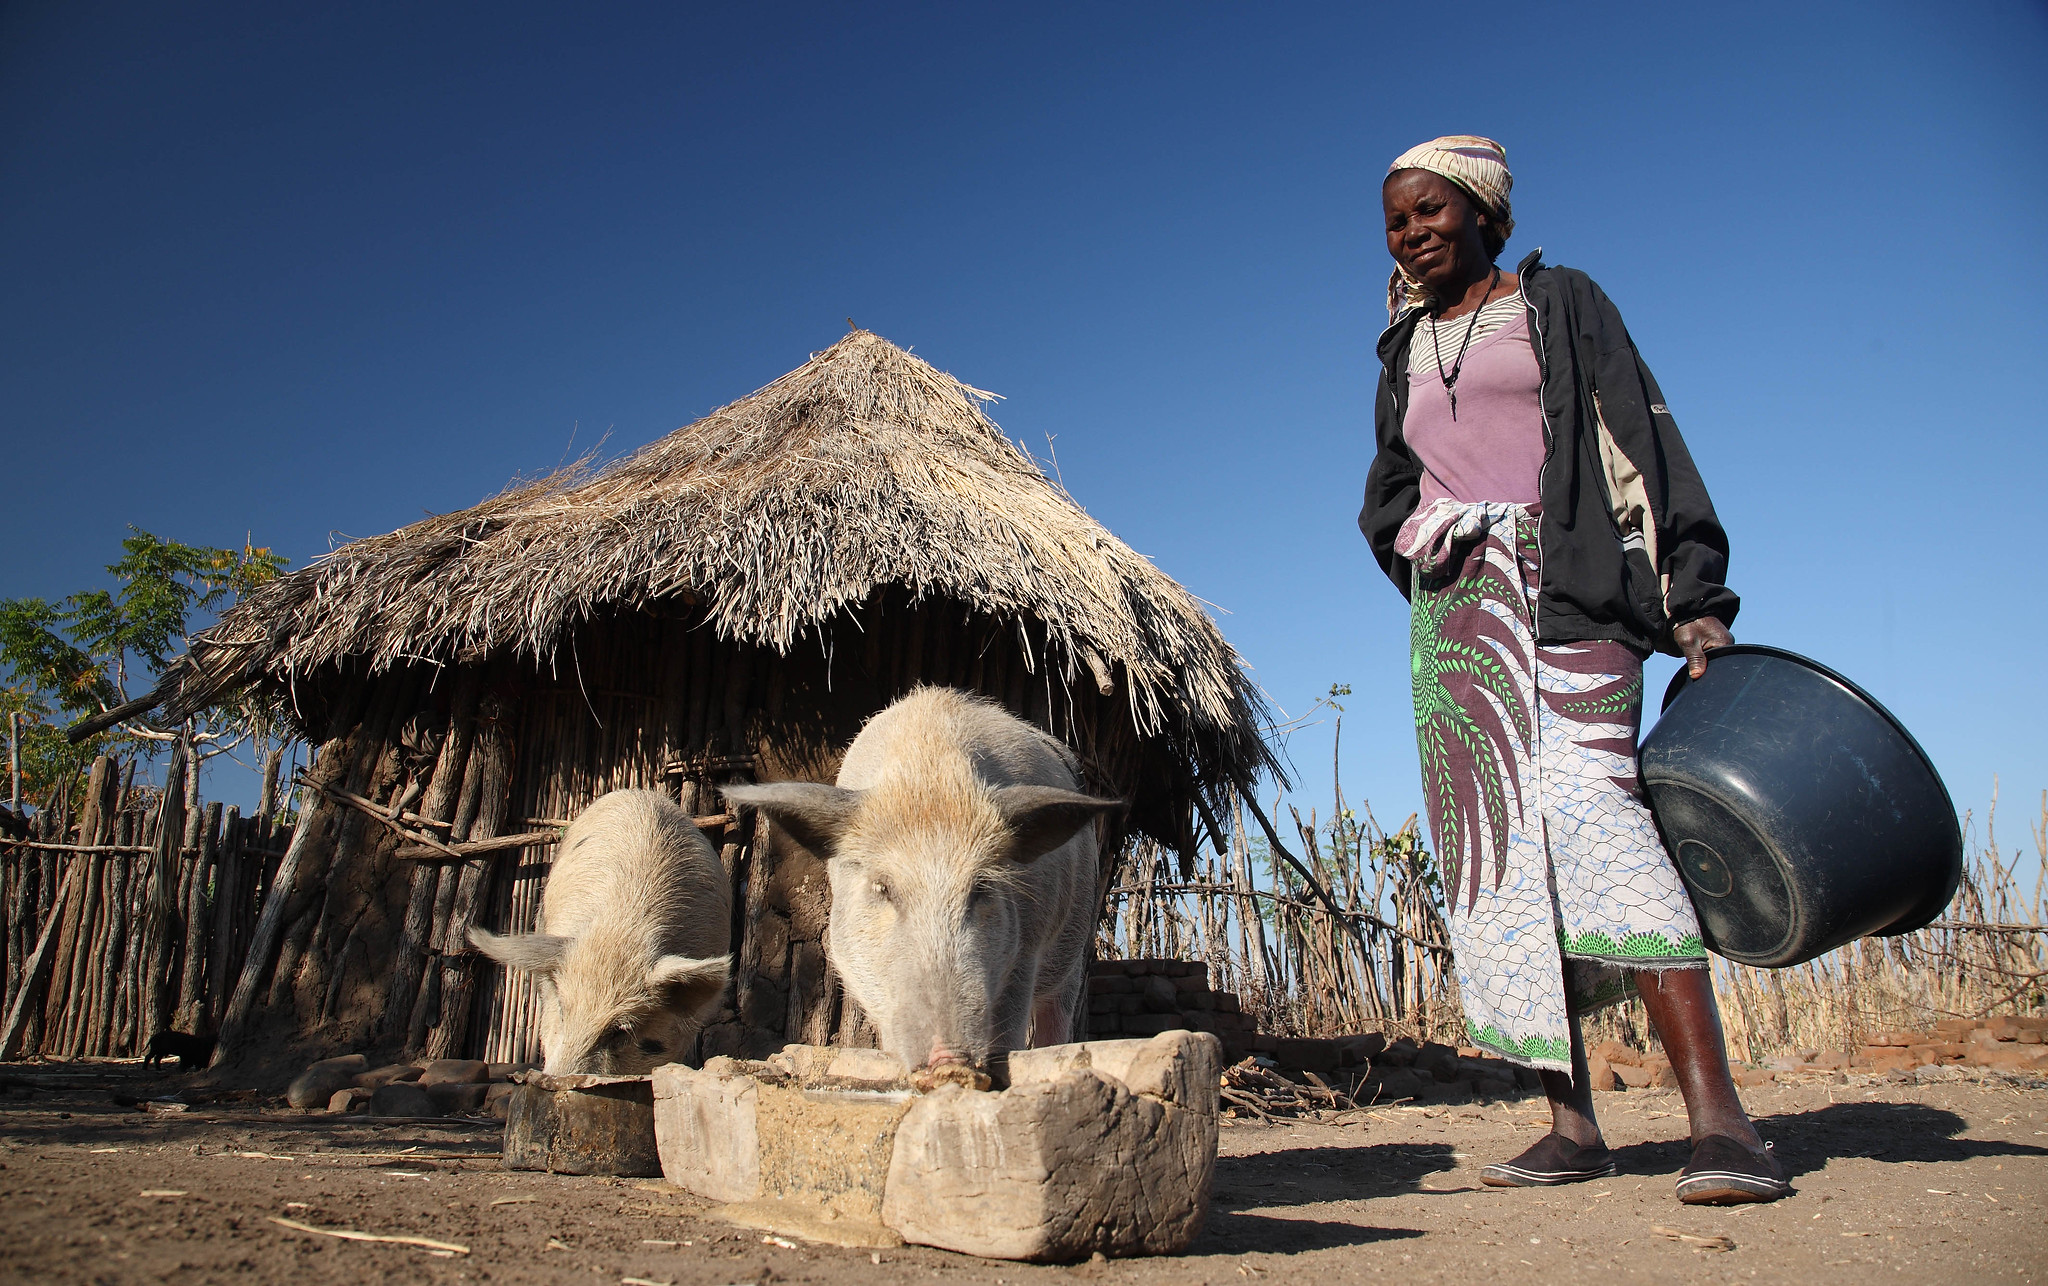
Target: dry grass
[
  {"x": 1302, "y": 971},
  {"x": 1380, "y": 962},
  {"x": 865, "y": 467},
  {"x": 1986, "y": 955}
]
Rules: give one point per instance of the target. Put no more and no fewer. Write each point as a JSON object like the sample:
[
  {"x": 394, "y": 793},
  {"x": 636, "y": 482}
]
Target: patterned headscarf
[{"x": 1480, "y": 167}]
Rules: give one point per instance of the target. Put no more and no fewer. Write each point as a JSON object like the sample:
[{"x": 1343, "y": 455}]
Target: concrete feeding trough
[
  {"x": 582, "y": 1125},
  {"x": 1104, "y": 1146}
]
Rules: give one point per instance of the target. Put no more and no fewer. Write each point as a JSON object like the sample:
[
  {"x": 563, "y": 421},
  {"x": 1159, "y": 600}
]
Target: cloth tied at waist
[{"x": 1437, "y": 533}]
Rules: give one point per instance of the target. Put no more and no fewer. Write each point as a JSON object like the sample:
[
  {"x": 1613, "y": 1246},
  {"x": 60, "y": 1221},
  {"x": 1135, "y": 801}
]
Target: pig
[
  {"x": 962, "y": 858},
  {"x": 634, "y": 929},
  {"x": 190, "y": 1051}
]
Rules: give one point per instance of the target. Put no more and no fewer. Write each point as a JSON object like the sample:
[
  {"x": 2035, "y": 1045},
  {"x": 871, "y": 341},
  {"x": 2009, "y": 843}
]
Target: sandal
[
  {"x": 1723, "y": 1172},
  {"x": 1555, "y": 1159}
]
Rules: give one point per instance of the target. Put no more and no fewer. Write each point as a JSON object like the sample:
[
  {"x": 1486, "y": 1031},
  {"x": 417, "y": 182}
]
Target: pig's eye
[
  {"x": 652, "y": 1047},
  {"x": 882, "y": 891}
]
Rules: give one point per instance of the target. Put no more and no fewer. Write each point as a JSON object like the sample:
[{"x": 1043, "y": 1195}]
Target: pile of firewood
[{"x": 1251, "y": 1089}]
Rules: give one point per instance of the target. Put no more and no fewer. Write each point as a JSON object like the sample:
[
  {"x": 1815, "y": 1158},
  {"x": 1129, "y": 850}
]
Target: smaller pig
[
  {"x": 963, "y": 862},
  {"x": 190, "y": 1051},
  {"x": 634, "y": 929}
]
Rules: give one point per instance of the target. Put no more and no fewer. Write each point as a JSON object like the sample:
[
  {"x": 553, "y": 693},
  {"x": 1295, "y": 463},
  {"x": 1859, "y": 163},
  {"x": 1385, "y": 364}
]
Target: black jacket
[{"x": 1629, "y": 542}]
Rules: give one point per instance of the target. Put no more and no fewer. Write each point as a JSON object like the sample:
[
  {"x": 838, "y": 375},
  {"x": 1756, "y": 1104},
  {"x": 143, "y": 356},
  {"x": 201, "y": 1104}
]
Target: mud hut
[{"x": 725, "y": 604}]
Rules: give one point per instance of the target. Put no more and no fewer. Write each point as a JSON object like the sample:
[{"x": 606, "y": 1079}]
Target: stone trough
[
  {"x": 1104, "y": 1146},
  {"x": 582, "y": 1125}
]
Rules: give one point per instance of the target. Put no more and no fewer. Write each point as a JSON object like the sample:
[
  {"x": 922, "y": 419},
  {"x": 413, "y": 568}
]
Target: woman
[{"x": 1532, "y": 498}]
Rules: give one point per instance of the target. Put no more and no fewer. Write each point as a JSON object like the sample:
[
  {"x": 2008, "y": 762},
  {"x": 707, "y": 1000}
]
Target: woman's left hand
[{"x": 1697, "y": 638}]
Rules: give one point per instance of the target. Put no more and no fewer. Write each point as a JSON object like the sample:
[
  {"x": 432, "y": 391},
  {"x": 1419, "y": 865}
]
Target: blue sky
[{"x": 306, "y": 273}]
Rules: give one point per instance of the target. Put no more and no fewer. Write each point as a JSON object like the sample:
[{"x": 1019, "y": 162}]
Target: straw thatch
[{"x": 864, "y": 468}]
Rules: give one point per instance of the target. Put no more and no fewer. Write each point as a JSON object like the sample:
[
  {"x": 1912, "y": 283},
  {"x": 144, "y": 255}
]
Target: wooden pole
[
  {"x": 161, "y": 916},
  {"x": 193, "y": 1013},
  {"x": 444, "y": 793},
  {"x": 305, "y": 967},
  {"x": 37, "y": 971},
  {"x": 272, "y": 922},
  {"x": 458, "y": 964},
  {"x": 227, "y": 912},
  {"x": 103, "y": 779},
  {"x": 760, "y": 869},
  {"x": 266, "y": 805}
]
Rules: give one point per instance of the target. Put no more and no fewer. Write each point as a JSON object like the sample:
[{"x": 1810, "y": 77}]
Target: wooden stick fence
[
  {"x": 131, "y": 918},
  {"x": 1366, "y": 950}
]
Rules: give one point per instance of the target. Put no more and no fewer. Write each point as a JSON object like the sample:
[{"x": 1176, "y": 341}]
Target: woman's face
[{"x": 1433, "y": 230}]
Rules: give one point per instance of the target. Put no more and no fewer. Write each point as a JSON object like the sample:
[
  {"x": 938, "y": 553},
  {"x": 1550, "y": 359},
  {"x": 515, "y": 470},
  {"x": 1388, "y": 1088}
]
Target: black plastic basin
[{"x": 1801, "y": 814}]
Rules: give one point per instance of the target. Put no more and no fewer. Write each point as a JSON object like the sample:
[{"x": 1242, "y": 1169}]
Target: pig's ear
[
  {"x": 526, "y": 952},
  {"x": 689, "y": 986},
  {"x": 1041, "y": 818},
  {"x": 816, "y": 815}
]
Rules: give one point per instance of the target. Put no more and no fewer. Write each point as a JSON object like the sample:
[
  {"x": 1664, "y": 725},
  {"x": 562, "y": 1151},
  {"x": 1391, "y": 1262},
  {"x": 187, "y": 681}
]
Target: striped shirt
[{"x": 1437, "y": 342}]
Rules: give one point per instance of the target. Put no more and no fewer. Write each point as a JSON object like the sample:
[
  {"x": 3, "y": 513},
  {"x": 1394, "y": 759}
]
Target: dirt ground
[{"x": 1917, "y": 1182}]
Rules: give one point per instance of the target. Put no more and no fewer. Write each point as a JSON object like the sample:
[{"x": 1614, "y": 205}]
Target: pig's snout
[{"x": 941, "y": 1056}]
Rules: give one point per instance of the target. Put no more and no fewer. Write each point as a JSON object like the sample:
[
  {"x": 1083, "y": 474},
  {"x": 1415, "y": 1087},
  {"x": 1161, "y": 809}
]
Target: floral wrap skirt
[{"x": 1554, "y": 877}]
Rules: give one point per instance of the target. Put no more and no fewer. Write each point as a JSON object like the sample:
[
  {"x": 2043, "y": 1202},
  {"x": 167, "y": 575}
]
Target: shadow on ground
[
  {"x": 1805, "y": 1142},
  {"x": 1229, "y": 1233},
  {"x": 1303, "y": 1176}
]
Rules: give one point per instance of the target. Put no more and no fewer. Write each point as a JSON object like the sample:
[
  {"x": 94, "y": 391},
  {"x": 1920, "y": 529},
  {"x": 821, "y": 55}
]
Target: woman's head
[{"x": 1447, "y": 215}]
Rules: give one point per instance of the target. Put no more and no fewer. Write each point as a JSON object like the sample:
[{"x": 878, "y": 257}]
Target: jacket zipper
[{"x": 1549, "y": 438}]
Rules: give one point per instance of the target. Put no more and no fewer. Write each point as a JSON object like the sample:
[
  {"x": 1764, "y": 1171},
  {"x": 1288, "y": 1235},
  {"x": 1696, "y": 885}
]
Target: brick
[
  {"x": 402, "y": 1098},
  {"x": 1227, "y": 1002},
  {"x": 352, "y": 1099},
  {"x": 1113, "y": 984},
  {"x": 1618, "y": 1054},
  {"x": 1307, "y": 1054},
  {"x": 1357, "y": 1051},
  {"x": 1197, "y": 1001},
  {"x": 1440, "y": 1061},
  {"x": 455, "y": 1071},
  {"x": 1153, "y": 1024},
  {"x": 389, "y": 1074},
  {"x": 1159, "y": 996},
  {"x": 1192, "y": 982},
  {"x": 1396, "y": 1083},
  {"x": 319, "y": 1083},
  {"x": 454, "y": 1098},
  {"x": 1631, "y": 1075},
  {"x": 1399, "y": 1054}
]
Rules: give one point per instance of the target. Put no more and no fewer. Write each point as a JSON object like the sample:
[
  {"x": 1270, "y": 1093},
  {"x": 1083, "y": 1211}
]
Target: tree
[{"x": 78, "y": 656}]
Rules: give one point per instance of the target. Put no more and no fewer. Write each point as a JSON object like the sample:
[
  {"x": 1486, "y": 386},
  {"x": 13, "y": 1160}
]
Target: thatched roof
[{"x": 863, "y": 468}]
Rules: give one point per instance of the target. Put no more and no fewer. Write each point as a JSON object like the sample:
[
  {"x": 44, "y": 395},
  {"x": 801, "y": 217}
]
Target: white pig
[
  {"x": 963, "y": 865},
  {"x": 634, "y": 926}
]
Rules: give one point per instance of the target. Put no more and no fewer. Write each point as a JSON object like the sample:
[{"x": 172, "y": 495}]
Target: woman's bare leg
[
  {"x": 1682, "y": 1009},
  {"x": 1571, "y": 1097}
]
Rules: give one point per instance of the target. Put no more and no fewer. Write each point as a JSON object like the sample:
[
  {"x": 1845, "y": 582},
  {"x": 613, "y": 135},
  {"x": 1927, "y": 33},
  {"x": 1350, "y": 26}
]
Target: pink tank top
[{"x": 1493, "y": 451}]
